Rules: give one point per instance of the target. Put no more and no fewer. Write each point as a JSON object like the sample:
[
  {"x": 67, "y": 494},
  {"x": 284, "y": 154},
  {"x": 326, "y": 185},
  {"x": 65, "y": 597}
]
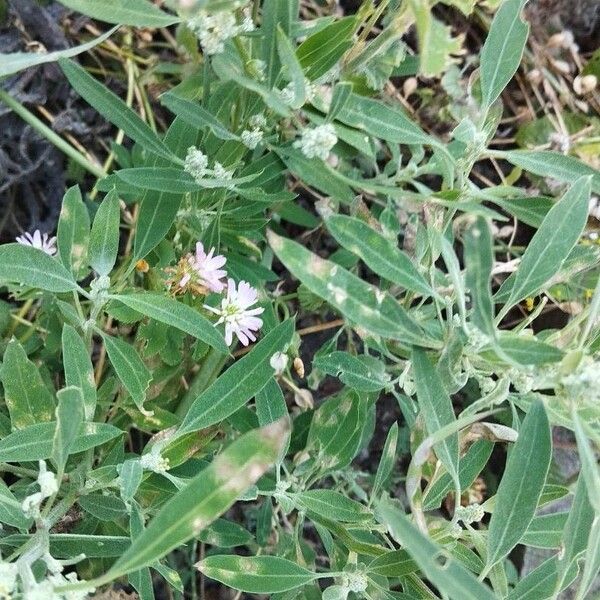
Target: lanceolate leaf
[
  {"x": 551, "y": 244},
  {"x": 436, "y": 408},
  {"x": 35, "y": 442},
  {"x": 78, "y": 367},
  {"x": 11, "y": 512},
  {"x": 73, "y": 232},
  {"x": 364, "y": 305},
  {"x": 104, "y": 237},
  {"x": 28, "y": 399},
  {"x": 34, "y": 268},
  {"x": 112, "y": 108},
  {"x": 243, "y": 380},
  {"x": 521, "y": 485},
  {"x": 69, "y": 417},
  {"x": 205, "y": 497},
  {"x": 256, "y": 574},
  {"x": 383, "y": 257},
  {"x": 179, "y": 315},
  {"x": 502, "y": 50},
  {"x": 139, "y": 13}
]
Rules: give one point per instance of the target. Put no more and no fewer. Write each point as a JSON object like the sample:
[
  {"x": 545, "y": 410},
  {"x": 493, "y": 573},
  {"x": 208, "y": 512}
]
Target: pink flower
[
  {"x": 235, "y": 312},
  {"x": 40, "y": 241},
  {"x": 207, "y": 267}
]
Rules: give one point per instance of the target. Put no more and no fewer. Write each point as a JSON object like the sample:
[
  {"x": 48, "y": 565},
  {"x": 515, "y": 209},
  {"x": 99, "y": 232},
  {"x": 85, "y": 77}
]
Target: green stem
[{"x": 50, "y": 135}]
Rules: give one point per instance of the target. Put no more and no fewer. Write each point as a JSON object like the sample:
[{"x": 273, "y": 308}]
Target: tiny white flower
[
  {"x": 8, "y": 579},
  {"x": 154, "y": 461},
  {"x": 213, "y": 30},
  {"x": 196, "y": 163},
  {"x": 39, "y": 240},
  {"x": 470, "y": 514},
  {"x": 220, "y": 172},
  {"x": 279, "y": 362},
  {"x": 318, "y": 141},
  {"x": 251, "y": 138},
  {"x": 47, "y": 481},
  {"x": 236, "y": 313},
  {"x": 31, "y": 505},
  {"x": 258, "y": 121}
]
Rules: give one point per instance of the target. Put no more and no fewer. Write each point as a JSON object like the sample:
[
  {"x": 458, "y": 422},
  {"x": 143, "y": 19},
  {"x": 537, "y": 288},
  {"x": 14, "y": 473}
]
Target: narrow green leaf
[
  {"x": 79, "y": 371},
  {"x": 17, "y": 61},
  {"x": 591, "y": 561},
  {"x": 589, "y": 464},
  {"x": 139, "y": 13},
  {"x": 333, "y": 505},
  {"x": 270, "y": 403},
  {"x": 34, "y": 268},
  {"x": 27, "y": 398},
  {"x": 396, "y": 563},
  {"x": 436, "y": 408},
  {"x": 226, "y": 534},
  {"x": 503, "y": 50},
  {"x": 205, "y": 497},
  {"x": 104, "y": 237},
  {"x": 243, "y": 380},
  {"x": 538, "y": 584},
  {"x": 379, "y": 254},
  {"x": 362, "y": 304},
  {"x": 527, "y": 350},
  {"x": 448, "y": 575},
  {"x": 553, "y": 164},
  {"x": 67, "y": 545},
  {"x": 197, "y": 116},
  {"x": 130, "y": 369},
  {"x": 130, "y": 478},
  {"x": 365, "y": 373},
  {"x": 170, "y": 311},
  {"x": 103, "y": 507},
  {"x": 256, "y": 574},
  {"x": 545, "y": 531},
  {"x": 386, "y": 462},
  {"x": 322, "y": 50},
  {"x": 11, "y": 511},
  {"x": 551, "y": 244},
  {"x": 73, "y": 232},
  {"x": 275, "y": 14},
  {"x": 69, "y": 418},
  {"x": 112, "y": 108},
  {"x": 341, "y": 95},
  {"x": 479, "y": 260},
  {"x": 35, "y": 442},
  {"x": 521, "y": 485},
  {"x": 292, "y": 68}
]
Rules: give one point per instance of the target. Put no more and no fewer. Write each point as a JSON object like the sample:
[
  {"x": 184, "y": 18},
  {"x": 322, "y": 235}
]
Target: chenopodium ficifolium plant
[{"x": 131, "y": 424}]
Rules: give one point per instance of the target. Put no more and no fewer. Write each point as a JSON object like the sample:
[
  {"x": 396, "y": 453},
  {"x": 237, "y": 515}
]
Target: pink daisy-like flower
[
  {"x": 42, "y": 242},
  {"x": 236, "y": 313},
  {"x": 208, "y": 269}
]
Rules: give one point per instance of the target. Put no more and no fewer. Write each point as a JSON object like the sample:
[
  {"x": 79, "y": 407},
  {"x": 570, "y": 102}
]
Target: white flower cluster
[
  {"x": 196, "y": 164},
  {"x": 470, "y": 514},
  {"x": 8, "y": 579},
  {"x": 213, "y": 30},
  {"x": 153, "y": 461},
  {"x": 48, "y": 486},
  {"x": 254, "y": 136},
  {"x": 44, "y": 590},
  {"x": 584, "y": 382},
  {"x": 317, "y": 141},
  {"x": 287, "y": 95}
]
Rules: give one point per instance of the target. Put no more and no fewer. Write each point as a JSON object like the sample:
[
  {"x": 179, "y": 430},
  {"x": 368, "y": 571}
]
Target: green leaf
[
  {"x": 73, "y": 232},
  {"x": 333, "y": 505},
  {"x": 17, "y": 61},
  {"x": 558, "y": 166},
  {"x": 130, "y": 478},
  {"x": 68, "y": 545},
  {"x": 130, "y": 369},
  {"x": 341, "y": 95},
  {"x": 503, "y": 50},
  {"x": 157, "y": 210},
  {"x": 551, "y": 244},
  {"x": 545, "y": 531},
  {"x": 591, "y": 561},
  {"x": 69, "y": 418},
  {"x": 322, "y": 50},
  {"x": 104, "y": 237},
  {"x": 521, "y": 485},
  {"x": 448, "y": 575},
  {"x": 36, "y": 441},
  {"x": 256, "y": 574},
  {"x": 112, "y": 108},
  {"x": 243, "y": 380},
  {"x": 387, "y": 461},
  {"x": 436, "y": 408},
  {"x": 527, "y": 350},
  {"x": 103, "y": 507},
  {"x": 197, "y": 116},
  {"x": 292, "y": 68},
  {"x": 270, "y": 403},
  {"x": 589, "y": 464},
  {"x": 538, "y": 584},
  {"x": 170, "y": 311},
  {"x": 139, "y": 13},
  {"x": 11, "y": 512},
  {"x": 79, "y": 371},
  {"x": 364, "y": 373},
  {"x": 382, "y": 121},
  {"x": 396, "y": 563},
  {"x": 479, "y": 260},
  {"x": 27, "y": 398},
  {"x": 379, "y": 254},
  {"x": 225, "y": 534},
  {"x": 204, "y": 498},
  {"x": 34, "y": 268},
  {"x": 275, "y": 14},
  {"x": 362, "y": 304}
]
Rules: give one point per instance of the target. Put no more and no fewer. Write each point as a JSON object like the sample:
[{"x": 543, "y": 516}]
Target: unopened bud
[
  {"x": 584, "y": 84},
  {"x": 299, "y": 367}
]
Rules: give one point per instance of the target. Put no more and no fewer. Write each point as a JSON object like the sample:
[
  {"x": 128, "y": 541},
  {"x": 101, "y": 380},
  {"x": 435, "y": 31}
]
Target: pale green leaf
[
  {"x": 73, "y": 232},
  {"x": 69, "y": 418},
  {"x": 104, "y": 236}
]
